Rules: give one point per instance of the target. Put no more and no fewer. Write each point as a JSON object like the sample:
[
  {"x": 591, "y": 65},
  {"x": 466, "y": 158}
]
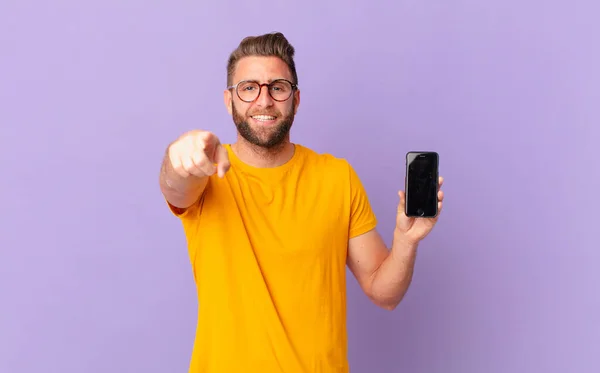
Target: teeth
[{"x": 263, "y": 117}]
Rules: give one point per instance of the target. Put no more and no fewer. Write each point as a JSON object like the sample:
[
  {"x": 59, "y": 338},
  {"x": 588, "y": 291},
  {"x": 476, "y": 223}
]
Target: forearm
[
  {"x": 180, "y": 191},
  {"x": 393, "y": 277}
]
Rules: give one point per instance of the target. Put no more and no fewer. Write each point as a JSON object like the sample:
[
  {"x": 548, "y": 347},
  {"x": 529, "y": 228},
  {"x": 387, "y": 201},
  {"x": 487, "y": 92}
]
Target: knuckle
[
  {"x": 202, "y": 135},
  {"x": 180, "y": 170},
  {"x": 200, "y": 159}
]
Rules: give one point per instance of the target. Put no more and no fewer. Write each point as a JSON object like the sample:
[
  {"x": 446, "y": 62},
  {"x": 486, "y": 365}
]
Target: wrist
[{"x": 403, "y": 244}]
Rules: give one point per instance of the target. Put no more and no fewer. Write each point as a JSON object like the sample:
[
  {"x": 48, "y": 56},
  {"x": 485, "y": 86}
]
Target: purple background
[{"x": 94, "y": 274}]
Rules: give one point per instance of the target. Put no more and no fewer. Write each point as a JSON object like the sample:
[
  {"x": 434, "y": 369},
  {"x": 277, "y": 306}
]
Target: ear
[
  {"x": 296, "y": 101},
  {"x": 227, "y": 98}
]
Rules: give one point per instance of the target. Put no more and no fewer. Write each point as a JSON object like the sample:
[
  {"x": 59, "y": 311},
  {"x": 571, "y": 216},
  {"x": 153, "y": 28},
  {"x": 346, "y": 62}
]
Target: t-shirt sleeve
[
  {"x": 183, "y": 213},
  {"x": 190, "y": 214},
  {"x": 362, "y": 217}
]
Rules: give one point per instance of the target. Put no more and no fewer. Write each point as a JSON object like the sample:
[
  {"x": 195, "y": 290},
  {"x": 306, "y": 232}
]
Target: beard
[{"x": 265, "y": 137}]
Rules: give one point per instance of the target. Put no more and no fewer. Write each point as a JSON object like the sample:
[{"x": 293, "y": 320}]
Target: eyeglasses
[{"x": 279, "y": 90}]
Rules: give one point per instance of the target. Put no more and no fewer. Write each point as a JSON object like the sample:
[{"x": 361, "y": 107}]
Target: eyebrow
[{"x": 268, "y": 81}]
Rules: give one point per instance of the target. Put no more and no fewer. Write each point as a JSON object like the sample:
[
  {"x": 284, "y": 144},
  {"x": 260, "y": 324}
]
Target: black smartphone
[{"x": 422, "y": 184}]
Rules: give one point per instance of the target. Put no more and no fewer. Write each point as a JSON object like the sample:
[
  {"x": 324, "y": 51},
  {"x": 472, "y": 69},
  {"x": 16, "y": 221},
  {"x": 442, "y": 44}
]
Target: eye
[
  {"x": 247, "y": 86},
  {"x": 281, "y": 86}
]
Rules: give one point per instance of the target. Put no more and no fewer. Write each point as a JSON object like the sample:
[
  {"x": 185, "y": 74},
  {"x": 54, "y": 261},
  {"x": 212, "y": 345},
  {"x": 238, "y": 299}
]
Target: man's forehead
[{"x": 263, "y": 69}]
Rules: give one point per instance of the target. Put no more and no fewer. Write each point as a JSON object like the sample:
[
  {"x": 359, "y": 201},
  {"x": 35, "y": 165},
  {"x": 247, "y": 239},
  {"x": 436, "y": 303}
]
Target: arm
[
  {"x": 180, "y": 192},
  {"x": 383, "y": 274}
]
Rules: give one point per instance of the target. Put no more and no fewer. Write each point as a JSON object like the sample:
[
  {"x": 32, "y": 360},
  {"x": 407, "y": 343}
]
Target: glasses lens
[
  {"x": 248, "y": 91},
  {"x": 280, "y": 90}
]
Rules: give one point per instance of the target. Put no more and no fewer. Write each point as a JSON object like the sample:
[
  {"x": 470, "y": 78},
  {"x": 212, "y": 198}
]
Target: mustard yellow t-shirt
[{"x": 268, "y": 252}]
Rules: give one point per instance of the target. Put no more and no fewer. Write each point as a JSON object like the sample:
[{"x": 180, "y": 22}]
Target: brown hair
[{"x": 268, "y": 45}]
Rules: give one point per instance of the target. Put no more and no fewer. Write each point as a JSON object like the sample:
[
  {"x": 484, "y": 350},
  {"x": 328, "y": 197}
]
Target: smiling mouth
[{"x": 263, "y": 118}]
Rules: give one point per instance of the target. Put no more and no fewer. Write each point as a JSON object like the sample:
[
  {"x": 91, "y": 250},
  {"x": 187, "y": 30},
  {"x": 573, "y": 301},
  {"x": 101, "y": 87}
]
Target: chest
[{"x": 294, "y": 219}]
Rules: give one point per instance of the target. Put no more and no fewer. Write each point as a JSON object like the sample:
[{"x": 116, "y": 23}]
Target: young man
[{"x": 270, "y": 227}]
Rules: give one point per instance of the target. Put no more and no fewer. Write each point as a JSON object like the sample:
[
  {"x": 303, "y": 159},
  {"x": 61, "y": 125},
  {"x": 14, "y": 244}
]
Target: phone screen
[{"x": 421, "y": 184}]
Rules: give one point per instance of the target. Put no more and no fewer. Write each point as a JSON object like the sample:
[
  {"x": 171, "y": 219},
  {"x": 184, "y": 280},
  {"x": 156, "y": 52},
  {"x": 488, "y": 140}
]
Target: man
[{"x": 270, "y": 227}]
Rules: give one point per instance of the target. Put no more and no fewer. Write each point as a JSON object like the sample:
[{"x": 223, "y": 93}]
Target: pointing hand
[{"x": 198, "y": 153}]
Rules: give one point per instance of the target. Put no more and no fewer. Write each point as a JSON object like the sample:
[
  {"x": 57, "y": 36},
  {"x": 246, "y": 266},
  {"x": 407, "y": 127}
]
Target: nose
[{"x": 264, "y": 98}]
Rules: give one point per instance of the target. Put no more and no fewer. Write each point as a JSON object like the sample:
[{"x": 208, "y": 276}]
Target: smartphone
[{"x": 422, "y": 184}]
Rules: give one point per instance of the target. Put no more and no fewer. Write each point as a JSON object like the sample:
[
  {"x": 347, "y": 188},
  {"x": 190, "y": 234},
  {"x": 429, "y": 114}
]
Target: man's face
[{"x": 264, "y": 122}]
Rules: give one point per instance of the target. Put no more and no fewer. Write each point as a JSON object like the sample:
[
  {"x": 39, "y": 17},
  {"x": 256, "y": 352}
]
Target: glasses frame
[{"x": 260, "y": 85}]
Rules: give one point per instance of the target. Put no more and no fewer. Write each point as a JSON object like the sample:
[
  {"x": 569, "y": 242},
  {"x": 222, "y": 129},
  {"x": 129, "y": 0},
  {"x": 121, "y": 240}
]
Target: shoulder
[
  {"x": 331, "y": 172},
  {"x": 331, "y": 168},
  {"x": 323, "y": 161}
]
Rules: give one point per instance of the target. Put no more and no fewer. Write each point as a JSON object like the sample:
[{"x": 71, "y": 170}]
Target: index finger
[
  {"x": 222, "y": 160},
  {"x": 206, "y": 140}
]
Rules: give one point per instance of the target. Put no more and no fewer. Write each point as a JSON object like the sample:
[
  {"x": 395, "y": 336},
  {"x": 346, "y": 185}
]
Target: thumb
[
  {"x": 222, "y": 160},
  {"x": 401, "y": 203},
  {"x": 402, "y": 221}
]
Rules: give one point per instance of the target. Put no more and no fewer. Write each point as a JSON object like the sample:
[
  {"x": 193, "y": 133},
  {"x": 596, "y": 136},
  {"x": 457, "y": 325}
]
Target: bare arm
[
  {"x": 181, "y": 192},
  {"x": 383, "y": 274}
]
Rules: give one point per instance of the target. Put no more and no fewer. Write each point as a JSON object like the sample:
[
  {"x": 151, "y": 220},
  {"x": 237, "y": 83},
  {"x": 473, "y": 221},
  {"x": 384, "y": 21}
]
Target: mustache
[{"x": 271, "y": 113}]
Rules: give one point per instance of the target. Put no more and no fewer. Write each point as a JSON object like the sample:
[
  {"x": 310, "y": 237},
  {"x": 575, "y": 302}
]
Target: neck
[{"x": 257, "y": 156}]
